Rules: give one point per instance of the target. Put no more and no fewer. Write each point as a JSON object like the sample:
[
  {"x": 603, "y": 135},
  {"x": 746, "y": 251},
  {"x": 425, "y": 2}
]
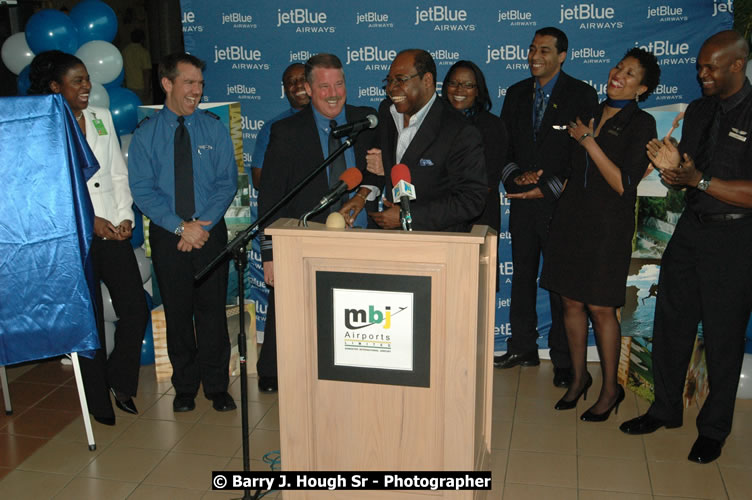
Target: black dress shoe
[
  {"x": 105, "y": 420},
  {"x": 645, "y": 424},
  {"x": 124, "y": 403},
  {"x": 562, "y": 377},
  {"x": 183, "y": 402},
  {"x": 267, "y": 384},
  {"x": 590, "y": 416},
  {"x": 510, "y": 360},
  {"x": 705, "y": 450},
  {"x": 221, "y": 401}
]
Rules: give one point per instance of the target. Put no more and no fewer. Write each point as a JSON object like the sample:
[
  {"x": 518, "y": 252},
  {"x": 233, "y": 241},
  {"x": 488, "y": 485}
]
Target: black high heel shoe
[
  {"x": 589, "y": 416},
  {"x": 563, "y": 404}
]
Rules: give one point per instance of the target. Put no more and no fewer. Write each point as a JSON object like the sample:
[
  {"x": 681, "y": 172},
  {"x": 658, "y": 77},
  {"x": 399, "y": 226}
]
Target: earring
[{"x": 637, "y": 97}]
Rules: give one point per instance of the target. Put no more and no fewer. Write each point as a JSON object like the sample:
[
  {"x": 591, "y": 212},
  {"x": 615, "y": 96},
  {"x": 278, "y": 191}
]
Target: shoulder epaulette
[
  {"x": 142, "y": 121},
  {"x": 216, "y": 117}
]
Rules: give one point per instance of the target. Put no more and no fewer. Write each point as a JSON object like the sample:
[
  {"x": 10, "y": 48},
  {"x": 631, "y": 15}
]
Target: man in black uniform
[
  {"x": 535, "y": 112},
  {"x": 706, "y": 271}
]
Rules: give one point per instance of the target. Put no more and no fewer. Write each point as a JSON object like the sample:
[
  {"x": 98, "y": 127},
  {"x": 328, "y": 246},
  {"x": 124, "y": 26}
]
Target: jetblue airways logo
[
  {"x": 376, "y": 59},
  {"x": 442, "y": 15},
  {"x": 669, "y": 53},
  {"x": 512, "y": 55},
  {"x": 444, "y": 57},
  {"x": 667, "y": 13},
  {"x": 373, "y": 20},
  {"x": 590, "y": 17},
  {"x": 305, "y": 20},
  {"x": 243, "y": 91},
  {"x": 238, "y": 20},
  {"x": 516, "y": 18},
  {"x": 241, "y": 57},
  {"x": 589, "y": 55},
  {"x": 372, "y": 93}
]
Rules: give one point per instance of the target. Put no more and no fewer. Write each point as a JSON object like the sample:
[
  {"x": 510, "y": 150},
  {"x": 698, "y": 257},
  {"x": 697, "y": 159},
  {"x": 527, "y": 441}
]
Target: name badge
[{"x": 99, "y": 126}]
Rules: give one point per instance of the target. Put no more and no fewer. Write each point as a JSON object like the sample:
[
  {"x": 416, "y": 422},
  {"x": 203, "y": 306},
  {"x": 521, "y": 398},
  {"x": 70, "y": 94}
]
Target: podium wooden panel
[{"x": 338, "y": 425}]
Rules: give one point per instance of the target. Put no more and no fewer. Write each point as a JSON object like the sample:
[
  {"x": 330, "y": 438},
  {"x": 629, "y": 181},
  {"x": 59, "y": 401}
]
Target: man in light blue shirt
[
  {"x": 183, "y": 176},
  {"x": 293, "y": 82}
]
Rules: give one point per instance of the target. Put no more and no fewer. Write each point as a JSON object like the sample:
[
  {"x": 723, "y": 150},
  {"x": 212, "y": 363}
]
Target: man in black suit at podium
[
  {"x": 296, "y": 146},
  {"x": 442, "y": 149},
  {"x": 536, "y": 112}
]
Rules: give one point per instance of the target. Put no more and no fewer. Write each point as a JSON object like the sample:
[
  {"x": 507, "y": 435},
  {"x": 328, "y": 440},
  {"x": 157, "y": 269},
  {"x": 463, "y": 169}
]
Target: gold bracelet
[
  {"x": 365, "y": 198},
  {"x": 585, "y": 135}
]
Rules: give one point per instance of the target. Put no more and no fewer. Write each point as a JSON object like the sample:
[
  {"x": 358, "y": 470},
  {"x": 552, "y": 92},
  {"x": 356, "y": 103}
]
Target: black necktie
[
  {"x": 184, "y": 197},
  {"x": 337, "y": 167}
]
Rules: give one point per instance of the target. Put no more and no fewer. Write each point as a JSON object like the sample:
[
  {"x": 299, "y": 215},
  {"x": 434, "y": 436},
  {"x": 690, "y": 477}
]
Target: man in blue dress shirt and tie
[{"x": 183, "y": 176}]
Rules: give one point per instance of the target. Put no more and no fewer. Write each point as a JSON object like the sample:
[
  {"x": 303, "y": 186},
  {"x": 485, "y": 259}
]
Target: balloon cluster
[{"x": 87, "y": 33}]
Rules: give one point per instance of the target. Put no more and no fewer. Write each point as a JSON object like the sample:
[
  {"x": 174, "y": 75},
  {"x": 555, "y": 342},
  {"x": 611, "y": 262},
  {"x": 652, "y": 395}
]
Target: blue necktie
[{"x": 540, "y": 109}]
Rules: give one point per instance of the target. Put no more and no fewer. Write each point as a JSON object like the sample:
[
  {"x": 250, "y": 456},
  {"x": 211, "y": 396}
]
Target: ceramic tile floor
[{"x": 538, "y": 453}]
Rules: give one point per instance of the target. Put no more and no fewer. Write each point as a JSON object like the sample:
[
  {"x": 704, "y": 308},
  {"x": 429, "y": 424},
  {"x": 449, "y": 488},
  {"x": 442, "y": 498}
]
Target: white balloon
[
  {"x": 125, "y": 144},
  {"x": 98, "y": 96},
  {"x": 744, "y": 390},
  {"x": 102, "y": 60},
  {"x": 109, "y": 336},
  {"x": 108, "y": 309},
  {"x": 144, "y": 264},
  {"x": 16, "y": 53}
]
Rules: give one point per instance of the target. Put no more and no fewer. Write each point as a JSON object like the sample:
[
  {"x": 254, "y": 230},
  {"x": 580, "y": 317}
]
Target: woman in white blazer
[{"x": 112, "y": 255}]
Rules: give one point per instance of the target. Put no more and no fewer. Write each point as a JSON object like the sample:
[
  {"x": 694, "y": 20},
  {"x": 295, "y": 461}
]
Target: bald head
[
  {"x": 730, "y": 41},
  {"x": 722, "y": 63}
]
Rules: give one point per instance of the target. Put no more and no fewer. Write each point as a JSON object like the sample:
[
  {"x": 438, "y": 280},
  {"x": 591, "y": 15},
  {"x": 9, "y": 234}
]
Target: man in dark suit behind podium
[
  {"x": 443, "y": 151},
  {"x": 536, "y": 112},
  {"x": 296, "y": 146}
]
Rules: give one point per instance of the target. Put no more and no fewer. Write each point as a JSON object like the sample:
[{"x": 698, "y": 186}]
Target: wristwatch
[
  {"x": 704, "y": 183},
  {"x": 179, "y": 230}
]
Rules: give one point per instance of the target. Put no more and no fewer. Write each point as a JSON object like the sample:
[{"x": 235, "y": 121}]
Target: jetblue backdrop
[{"x": 247, "y": 45}]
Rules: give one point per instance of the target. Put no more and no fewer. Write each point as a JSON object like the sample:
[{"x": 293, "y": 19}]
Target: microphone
[
  {"x": 349, "y": 179},
  {"x": 402, "y": 193},
  {"x": 369, "y": 121}
]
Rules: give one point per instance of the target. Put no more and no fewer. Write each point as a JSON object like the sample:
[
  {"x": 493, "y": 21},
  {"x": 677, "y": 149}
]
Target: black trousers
[
  {"x": 706, "y": 275},
  {"x": 115, "y": 264},
  {"x": 529, "y": 231},
  {"x": 266, "y": 366},
  {"x": 199, "y": 354}
]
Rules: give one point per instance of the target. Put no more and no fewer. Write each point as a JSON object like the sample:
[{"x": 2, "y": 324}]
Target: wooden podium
[{"x": 384, "y": 400}]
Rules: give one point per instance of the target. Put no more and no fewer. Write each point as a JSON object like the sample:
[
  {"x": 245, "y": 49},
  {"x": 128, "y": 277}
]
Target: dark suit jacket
[
  {"x": 446, "y": 165},
  {"x": 294, "y": 151},
  {"x": 495, "y": 140},
  {"x": 551, "y": 150}
]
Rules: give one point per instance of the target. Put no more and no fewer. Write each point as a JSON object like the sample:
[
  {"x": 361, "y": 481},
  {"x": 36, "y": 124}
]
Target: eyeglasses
[
  {"x": 397, "y": 80},
  {"x": 464, "y": 85}
]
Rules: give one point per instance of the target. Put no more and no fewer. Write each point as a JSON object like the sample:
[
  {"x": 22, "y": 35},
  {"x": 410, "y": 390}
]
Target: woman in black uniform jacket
[
  {"x": 465, "y": 89},
  {"x": 590, "y": 239}
]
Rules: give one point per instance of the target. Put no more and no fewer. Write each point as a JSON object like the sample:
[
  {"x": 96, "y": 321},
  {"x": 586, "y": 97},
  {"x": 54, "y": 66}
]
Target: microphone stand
[{"x": 238, "y": 249}]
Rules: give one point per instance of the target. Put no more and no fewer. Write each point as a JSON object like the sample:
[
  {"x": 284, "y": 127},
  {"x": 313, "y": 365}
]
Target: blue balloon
[
  {"x": 124, "y": 105},
  {"x": 94, "y": 20},
  {"x": 117, "y": 82},
  {"x": 147, "y": 345},
  {"x": 50, "y": 29},
  {"x": 22, "y": 80}
]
